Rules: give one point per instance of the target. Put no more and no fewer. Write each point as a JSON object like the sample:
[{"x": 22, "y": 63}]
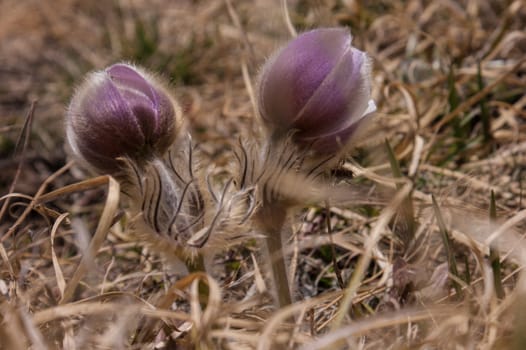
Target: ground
[{"x": 426, "y": 251}]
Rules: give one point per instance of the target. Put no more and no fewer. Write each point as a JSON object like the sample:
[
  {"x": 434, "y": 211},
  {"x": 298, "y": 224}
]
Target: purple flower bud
[
  {"x": 121, "y": 111},
  {"x": 318, "y": 86}
]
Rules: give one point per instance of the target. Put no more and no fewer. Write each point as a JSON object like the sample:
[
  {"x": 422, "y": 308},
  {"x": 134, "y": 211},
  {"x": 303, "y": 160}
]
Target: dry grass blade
[
  {"x": 365, "y": 258},
  {"x": 105, "y": 222},
  {"x": 34, "y": 334},
  {"x": 11, "y": 329},
  {"x": 93, "y": 308},
  {"x": 20, "y": 150},
  {"x": 406, "y": 229},
  {"x": 76, "y": 187},
  {"x": 388, "y": 320},
  {"x": 165, "y": 301},
  {"x": 61, "y": 283},
  {"x": 505, "y": 227},
  {"x": 204, "y": 320},
  {"x": 286, "y": 15},
  {"x": 237, "y": 22},
  {"x": 275, "y": 322},
  {"x": 494, "y": 255},
  {"x": 35, "y": 200},
  {"x": 249, "y": 86},
  {"x": 5, "y": 259},
  {"x": 410, "y": 101},
  {"x": 446, "y": 240}
]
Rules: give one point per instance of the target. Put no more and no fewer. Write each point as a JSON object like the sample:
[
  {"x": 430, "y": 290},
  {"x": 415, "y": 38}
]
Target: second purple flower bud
[{"x": 319, "y": 87}]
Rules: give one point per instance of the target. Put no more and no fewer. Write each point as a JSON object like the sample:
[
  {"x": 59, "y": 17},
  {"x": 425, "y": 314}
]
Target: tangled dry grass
[{"x": 437, "y": 265}]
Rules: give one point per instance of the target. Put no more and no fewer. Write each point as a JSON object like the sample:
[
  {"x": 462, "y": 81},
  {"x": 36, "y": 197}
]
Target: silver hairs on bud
[{"x": 177, "y": 211}]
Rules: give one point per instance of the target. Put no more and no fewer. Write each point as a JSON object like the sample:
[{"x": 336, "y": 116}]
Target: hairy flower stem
[
  {"x": 195, "y": 266},
  {"x": 272, "y": 218}
]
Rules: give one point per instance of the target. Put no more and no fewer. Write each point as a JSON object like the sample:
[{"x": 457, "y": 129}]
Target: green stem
[{"x": 272, "y": 219}]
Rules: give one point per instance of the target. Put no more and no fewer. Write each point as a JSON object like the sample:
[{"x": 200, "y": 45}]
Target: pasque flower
[
  {"x": 121, "y": 111},
  {"x": 317, "y": 86}
]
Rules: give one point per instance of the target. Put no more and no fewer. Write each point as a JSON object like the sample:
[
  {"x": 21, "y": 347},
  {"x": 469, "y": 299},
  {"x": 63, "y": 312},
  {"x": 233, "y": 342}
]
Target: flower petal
[
  {"x": 340, "y": 100},
  {"x": 291, "y": 77}
]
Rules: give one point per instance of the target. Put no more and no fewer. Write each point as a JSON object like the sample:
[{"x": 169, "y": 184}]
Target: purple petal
[
  {"x": 332, "y": 143},
  {"x": 120, "y": 112},
  {"x": 340, "y": 100},
  {"x": 154, "y": 113},
  {"x": 113, "y": 128},
  {"x": 292, "y": 77},
  {"x": 127, "y": 78}
]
